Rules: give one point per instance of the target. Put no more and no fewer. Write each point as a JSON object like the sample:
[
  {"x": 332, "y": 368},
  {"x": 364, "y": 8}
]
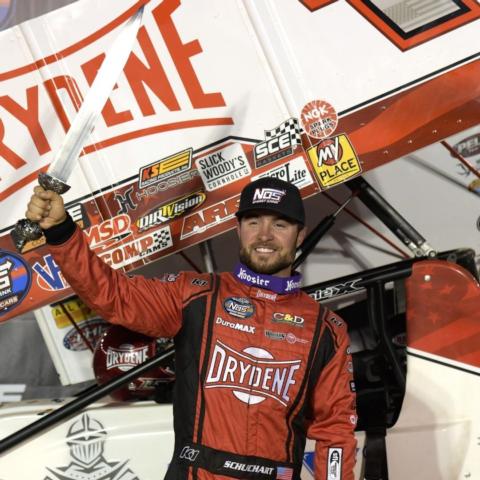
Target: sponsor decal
[
  {"x": 199, "y": 282},
  {"x": 336, "y": 290},
  {"x": 254, "y": 279},
  {"x": 75, "y": 308},
  {"x": 334, "y": 467},
  {"x": 170, "y": 210},
  {"x": 168, "y": 277},
  {"x": 167, "y": 167},
  {"x": 334, "y": 161},
  {"x": 108, "y": 232},
  {"x": 469, "y": 146},
  {"x": 86, "y": 438},
  {"x": 125, "y": 201},
  {"x": 138, "y": 249},
  {"x": 295, "y": 171},
  {"x": 292, "y": 285},
  {"x": 92, "y": 330},
  {"x": 250, "y": 468},
  {"x": 79, "y": 216},
  {"x": 209, "y": 217},
  {"x": 235, "y": 326},
  {"x": 266, "y": 295},
  {"x": 288, "y": 318},
  {"x": 253, "y": 374},
  {"x": 126, "y": 356},
  {"x": 289, "y": 337},
  {"x": 268, "y": 195},
  {"x": 189, "y": 453},
  {"x": 15, "y": 281},
  {"x": 279, "y": 143},
  {"x": 319, "y": 119},
  {"x": 353, "y": 388},
  {"x": 221, "y": 168},
  {"x": 49, "y": 276},
  {"x": 239, "y": 307},
  {"x": 349, "y": 367},
  {"x": 336, "y": 321},
  {"x": 167, "y": 184}
]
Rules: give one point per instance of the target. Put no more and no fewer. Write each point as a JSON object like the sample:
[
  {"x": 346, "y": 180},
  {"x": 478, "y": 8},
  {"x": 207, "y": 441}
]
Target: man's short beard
[{"x": 281, "y": 263}]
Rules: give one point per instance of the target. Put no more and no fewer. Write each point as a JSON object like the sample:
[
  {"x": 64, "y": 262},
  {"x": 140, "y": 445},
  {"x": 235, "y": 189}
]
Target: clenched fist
[{"x": 46, "y": 208}]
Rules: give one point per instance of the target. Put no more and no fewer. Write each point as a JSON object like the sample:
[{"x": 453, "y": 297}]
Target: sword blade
[{"x": 86, "y": 117}]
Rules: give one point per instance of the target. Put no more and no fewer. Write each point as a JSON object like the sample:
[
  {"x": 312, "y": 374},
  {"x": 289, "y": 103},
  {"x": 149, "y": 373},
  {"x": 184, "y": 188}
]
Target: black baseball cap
[{"x": 273, "y": 195}]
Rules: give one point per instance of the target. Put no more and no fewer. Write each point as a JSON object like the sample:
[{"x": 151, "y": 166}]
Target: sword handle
[{"x": 26, "y": 230}]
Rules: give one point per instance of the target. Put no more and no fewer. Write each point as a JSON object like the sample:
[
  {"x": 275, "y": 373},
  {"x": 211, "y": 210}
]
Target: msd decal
[
  {"x": 49, "y": 276},
  {"x": 86, "y": 438},
  {"x": 109, "y": 231},
  {"x": 253, "y": 374},
  {"x": 221, "y": 168},
  {"x": 209, "y": 217},
  {"x": 334, "y": 161}
]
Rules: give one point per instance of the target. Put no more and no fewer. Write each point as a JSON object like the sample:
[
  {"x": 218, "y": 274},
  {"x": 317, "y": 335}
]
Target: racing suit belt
[{"x": 233, "y": 465}]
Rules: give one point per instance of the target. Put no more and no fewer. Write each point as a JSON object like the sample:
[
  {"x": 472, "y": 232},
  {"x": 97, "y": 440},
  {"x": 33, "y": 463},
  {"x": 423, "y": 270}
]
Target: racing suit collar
[{"x": 281, "y": 285}]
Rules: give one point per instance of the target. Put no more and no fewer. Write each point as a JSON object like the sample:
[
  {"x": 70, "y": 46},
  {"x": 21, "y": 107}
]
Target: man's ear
[{"x": 301, "y": 236}]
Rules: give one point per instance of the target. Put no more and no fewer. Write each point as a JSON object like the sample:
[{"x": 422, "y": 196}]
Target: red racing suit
[{"x": 256, "y": 372}]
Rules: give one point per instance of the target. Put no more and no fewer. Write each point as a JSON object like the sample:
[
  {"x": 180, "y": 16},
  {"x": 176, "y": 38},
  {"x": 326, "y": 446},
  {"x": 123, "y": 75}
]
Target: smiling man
[{"x": 260, "y": 366}]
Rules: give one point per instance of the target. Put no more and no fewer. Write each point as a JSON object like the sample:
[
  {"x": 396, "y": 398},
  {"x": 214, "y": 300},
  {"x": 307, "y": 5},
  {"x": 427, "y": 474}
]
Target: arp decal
[
  {"x": 223, "y": 167},
  {"x": 295, "y": 171},
  {"x": 252, "y": 374},
  {"x": 408, "y": 24},
  {"x": 167, "y": 167},
  {"x": 209, "y": 217},
  {"x": 15, "y": 281},
  {"x": 170, "y": 210},
  {"x": 279, "y": 143},
  {"x": 334, "y": 161},
  {"x": 86, "y": 438},
  {"x": 49, "y": 275}
]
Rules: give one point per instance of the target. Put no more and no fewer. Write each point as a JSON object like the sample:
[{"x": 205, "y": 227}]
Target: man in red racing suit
[{"x": 260, "y": 365}]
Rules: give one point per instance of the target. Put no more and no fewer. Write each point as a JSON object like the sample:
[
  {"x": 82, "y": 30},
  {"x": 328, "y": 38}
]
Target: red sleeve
[
  {"x": 333, "y": 409},
  {"x": 149, "y": 306}
]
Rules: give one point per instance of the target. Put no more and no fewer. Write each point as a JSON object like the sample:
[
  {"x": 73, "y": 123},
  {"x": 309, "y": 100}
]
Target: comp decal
[
  {"x": 223, "y": 167},
  {"x": 334, "y": 161},
  {"x": 170, "y": 210},
  {"x": 279, "y": 143},
  {"x": 15, "y": 281},
  {"x": 295, "y": 171},
  {"x": 167, "y": 167}
]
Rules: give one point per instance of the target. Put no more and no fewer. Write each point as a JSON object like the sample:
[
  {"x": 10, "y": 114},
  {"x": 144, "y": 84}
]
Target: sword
[{"x": 55, "y": 178}]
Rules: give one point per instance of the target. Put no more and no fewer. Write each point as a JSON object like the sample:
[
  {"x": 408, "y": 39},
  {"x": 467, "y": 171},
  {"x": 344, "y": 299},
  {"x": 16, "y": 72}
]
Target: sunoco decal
[
  {"x": 239, "y": 307},
  {"x": 295, "y": 171},
  {"x": 334, "y": 161},
  {"x": 279, "y": 143},
  {"x": 221, "y": 168},
  {"x": 92, "y": 329},
  {"x": 170, "y": 210},
  {"x": 15, "y": 281},
  {"x": 165, "y": 168},
  {"x": 86, "y": 439},
  {"x": 253, "y": 374}
]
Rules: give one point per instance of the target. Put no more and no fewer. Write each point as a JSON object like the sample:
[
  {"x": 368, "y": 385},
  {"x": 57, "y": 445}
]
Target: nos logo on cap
[{"x": 268, "y": 195}]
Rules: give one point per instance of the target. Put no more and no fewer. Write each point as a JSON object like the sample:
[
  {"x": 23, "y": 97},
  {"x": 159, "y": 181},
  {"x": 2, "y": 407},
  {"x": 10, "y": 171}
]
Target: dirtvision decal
[
  {"x": 162, "y": 169},
  {"x": 253, "y": 374},
  {"x": 279, "y": 143},
  {"x": 223, "y": 167},
  {"x": 334, "y": 161},
  {"x": 138, "y": 249},
  {"x": 15, "y": 281},
  {"x": 295, "y": 171},
  {"x": 86, "y": 438},
  {"x": 170, "y": 210}
]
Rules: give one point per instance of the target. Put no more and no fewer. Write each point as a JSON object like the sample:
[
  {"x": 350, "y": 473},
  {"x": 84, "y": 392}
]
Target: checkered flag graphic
[
  {"x": 291, "y": 126},
  {"x": 162, "y": 239}
]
